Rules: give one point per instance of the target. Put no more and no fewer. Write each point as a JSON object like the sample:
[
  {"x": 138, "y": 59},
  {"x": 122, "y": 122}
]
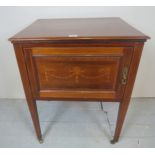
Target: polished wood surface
[
  {"x": 79, "y": 59},
  {"x": 101, "y": 28},
  {"x": 78, "y": 69}
]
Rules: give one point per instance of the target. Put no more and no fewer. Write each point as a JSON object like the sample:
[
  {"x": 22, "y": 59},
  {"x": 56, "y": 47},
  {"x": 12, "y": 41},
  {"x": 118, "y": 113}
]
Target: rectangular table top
[{"x": 79, "y": 28}]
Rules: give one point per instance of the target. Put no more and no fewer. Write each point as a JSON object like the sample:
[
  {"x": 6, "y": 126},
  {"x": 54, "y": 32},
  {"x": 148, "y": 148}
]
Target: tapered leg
[
  {"x": 27, "y": 88},
  {"x": 128, "y": 90},
  {"x": 34, "y": 115},
  {"x": 123, "y": 107}
]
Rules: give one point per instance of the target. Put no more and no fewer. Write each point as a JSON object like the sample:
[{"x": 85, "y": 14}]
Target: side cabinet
[{"x": 88, "y": 59}]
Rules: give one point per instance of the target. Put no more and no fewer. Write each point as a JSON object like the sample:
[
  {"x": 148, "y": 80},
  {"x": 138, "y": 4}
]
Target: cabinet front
[{"x": 78, "y": 72}]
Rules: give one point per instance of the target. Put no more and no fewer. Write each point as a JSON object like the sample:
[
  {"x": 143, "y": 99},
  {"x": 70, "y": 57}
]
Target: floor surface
[{"x": 77, "y": 124}]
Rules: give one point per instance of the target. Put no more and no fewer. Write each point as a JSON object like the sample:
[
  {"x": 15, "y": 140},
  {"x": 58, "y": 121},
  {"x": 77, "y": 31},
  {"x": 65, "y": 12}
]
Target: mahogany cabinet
[{"x": 93, "y": 59}]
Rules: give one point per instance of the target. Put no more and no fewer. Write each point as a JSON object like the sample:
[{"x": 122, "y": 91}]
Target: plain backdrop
[{"x": 14, "y": 19}]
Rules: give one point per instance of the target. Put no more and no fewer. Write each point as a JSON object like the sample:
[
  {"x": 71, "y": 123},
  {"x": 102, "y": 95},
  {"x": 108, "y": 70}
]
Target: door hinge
[{"x": 124, "y": 76}]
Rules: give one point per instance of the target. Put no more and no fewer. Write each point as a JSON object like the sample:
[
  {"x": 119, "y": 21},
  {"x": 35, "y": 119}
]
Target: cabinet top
[{"x": 79, "y": 28}]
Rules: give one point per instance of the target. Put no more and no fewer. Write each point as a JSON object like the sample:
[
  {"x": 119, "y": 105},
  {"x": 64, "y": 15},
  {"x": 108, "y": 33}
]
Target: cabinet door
[{"x": 84, "y": 73}]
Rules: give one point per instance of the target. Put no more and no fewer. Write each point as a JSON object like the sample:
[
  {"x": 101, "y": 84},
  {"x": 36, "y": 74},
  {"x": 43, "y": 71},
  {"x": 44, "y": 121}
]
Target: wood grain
[{"x": 77, "y": 51}]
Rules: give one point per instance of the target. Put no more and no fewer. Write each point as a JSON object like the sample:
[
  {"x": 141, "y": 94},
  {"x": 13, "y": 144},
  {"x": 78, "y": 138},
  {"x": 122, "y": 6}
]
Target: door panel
[{"x": 77, "y": 72}]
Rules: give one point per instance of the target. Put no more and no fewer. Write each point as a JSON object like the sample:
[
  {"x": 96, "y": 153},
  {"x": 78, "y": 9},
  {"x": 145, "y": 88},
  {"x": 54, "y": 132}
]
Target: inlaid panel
[
  {"x": 85, "y": 72},
  {"x": 77, "y": 73}
]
